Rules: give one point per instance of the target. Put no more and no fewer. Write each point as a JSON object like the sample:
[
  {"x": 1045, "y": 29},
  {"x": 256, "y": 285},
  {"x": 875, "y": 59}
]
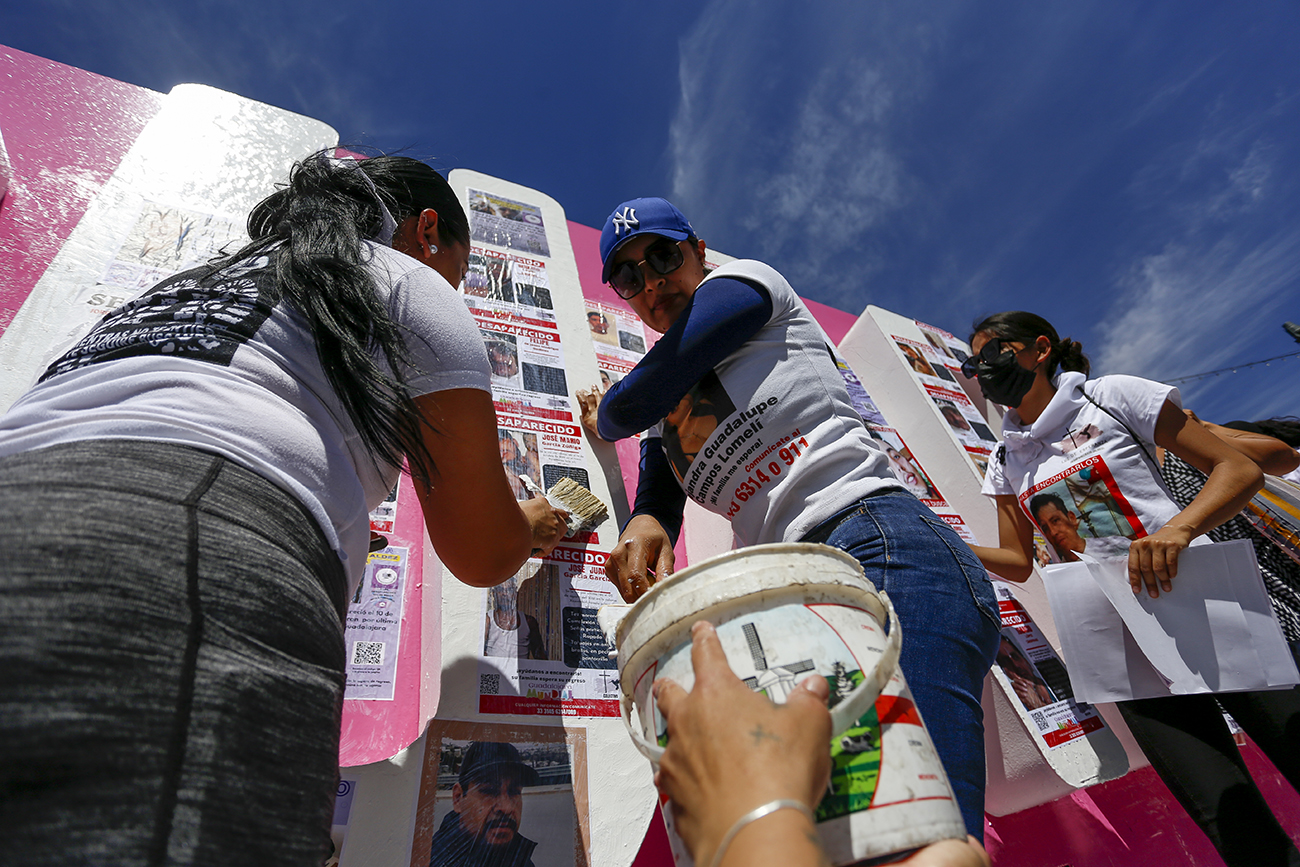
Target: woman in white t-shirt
[{"x": 1078, "y": 459}]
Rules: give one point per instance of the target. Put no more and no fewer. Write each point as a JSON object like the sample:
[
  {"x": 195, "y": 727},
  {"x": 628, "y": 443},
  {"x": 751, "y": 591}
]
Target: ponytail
[{"x": 312, "y": 229}]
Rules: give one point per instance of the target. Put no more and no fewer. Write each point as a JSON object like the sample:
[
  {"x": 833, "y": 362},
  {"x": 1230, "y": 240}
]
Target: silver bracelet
[{"x": 758, "y": 813}]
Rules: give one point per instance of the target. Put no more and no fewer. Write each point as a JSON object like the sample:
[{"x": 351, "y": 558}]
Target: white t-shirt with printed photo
[
  {"x": 1079, "y": 475},
  {"x": 769, "y": 437}
]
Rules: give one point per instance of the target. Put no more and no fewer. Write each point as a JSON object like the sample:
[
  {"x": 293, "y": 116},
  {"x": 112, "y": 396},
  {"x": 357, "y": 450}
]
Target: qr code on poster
[
  {"x": 368, "y": 653},
  {"x": 1039, "y": 719},
  {"x": 489, "y": 684}
]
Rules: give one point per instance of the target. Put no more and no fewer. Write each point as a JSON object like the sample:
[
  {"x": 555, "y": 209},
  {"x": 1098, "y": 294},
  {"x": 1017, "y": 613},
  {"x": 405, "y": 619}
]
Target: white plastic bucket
[{"x": 783, "y": 612}]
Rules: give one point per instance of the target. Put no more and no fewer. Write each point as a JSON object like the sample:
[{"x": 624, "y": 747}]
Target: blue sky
[{"x": 1130, "y": 170}]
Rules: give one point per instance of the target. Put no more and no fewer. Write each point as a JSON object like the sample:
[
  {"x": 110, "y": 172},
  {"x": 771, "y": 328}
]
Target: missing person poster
[
  {"x": 507, "y": 281},
  {"x": 543, "y": 652},
  {"x": 506, "y": 223},
  {"x": 1029, "y": 669},
  {"x": 502, "y": 794}
]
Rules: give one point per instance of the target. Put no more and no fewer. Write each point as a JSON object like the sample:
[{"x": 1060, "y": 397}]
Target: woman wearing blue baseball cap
[{"x": 784, "y": 456}]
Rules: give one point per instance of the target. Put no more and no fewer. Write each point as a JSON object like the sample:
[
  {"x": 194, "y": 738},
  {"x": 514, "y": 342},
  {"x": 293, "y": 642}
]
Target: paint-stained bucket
[{"x": 784, "y": 612}]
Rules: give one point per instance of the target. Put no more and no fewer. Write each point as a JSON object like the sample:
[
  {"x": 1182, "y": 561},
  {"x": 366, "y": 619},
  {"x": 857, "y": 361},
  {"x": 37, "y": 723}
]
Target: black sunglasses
[
  {"x": 665, "y": 256},
  {"x": 988, "y": 352}
]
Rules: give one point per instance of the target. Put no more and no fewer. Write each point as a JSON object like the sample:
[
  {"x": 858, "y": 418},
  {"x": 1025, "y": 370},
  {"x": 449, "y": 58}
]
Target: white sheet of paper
[
  {"x": 1214, "y": 633},
  {"x": 1104, "y": 661},
  {"x": 1195, "y": 636},
  {"x": 1270, "y": 643}
]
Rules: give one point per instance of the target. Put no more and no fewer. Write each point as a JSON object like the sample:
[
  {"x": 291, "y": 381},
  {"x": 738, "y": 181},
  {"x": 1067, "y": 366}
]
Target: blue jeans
[{"x": 946, "y": 606}]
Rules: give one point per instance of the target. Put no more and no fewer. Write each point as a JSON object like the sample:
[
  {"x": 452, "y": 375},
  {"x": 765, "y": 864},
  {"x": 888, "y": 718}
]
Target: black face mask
[{"x": 1004, "y": 381}]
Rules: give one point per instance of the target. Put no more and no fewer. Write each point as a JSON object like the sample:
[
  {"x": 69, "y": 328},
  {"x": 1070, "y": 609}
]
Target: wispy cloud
[
  {"x": 784, "y": 128},
  {"x": 1189, "y": 309}
]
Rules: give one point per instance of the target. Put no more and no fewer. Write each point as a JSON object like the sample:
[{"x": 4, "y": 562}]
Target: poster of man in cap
[
  {"x": 492, "y": 799},
  {"x": 487, "y": 802}
]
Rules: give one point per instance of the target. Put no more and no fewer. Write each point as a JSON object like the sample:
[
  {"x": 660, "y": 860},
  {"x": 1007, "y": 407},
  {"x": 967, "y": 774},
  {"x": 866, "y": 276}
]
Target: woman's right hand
[
  {"x": 731, "y": 750},
  {"x": 643, "y": 545},
  {"x": 548, "y": 523}
]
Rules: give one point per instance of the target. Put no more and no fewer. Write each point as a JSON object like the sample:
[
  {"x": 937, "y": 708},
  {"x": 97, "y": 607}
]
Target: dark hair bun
[{"x": 1069, "y": 355}]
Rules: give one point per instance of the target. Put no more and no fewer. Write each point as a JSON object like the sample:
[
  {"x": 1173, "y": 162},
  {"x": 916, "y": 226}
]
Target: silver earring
[{"x": 433, "y": 248}]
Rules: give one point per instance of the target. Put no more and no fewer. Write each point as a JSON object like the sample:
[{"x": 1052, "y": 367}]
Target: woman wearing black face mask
[
  {"x": 1078, "y": 457},
  {"x": 1024, "y": 365}
]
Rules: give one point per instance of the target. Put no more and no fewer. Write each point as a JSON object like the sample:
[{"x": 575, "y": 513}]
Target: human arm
[
  {"x": 1013, "y": 559},
  {"x": 1232, "y": 479},
  {"x": 481, "y": 533},
  {"x": 731, "y": 750},
  {"x": 647, "y": 540},
  {"x": 723, "y": 314},
  {"x": 1271, "y": 454}
]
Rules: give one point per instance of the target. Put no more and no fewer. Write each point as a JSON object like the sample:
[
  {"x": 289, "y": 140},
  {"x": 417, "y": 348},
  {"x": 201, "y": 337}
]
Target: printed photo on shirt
[
  {"x": 700, "y": 412},
  {"x": 1077, "y": 439},
  {"x": 1082, "y": 511},
  {"x": 501, "y": 795}
]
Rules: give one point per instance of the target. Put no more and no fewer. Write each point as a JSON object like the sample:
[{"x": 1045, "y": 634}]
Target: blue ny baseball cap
[{"x": 652, "y": 216}]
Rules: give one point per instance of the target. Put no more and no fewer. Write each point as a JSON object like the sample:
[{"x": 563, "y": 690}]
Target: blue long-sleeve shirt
[{"x": 723, "y": 314}]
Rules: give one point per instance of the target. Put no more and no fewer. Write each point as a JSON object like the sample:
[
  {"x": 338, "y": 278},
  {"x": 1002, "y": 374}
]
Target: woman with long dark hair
[
  {"x": 183, "y": 515},
  {"x": 1078, "y": 458}
]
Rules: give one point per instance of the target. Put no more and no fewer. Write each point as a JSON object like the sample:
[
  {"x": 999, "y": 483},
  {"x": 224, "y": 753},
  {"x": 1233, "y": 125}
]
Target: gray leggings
[{"x": 171, "y": 661}]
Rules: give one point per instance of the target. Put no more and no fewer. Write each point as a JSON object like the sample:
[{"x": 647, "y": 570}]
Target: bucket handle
[{"x": 843, "y": 715}]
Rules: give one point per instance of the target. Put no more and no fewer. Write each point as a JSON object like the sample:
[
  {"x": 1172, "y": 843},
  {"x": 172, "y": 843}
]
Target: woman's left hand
[{"x": 1153, "y": 560}]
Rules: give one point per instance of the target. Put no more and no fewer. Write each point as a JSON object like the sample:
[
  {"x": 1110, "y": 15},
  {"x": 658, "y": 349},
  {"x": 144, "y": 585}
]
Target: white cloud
[
  {"x": 783, "y": 131},
  {"x": 1191, "y": 308}
]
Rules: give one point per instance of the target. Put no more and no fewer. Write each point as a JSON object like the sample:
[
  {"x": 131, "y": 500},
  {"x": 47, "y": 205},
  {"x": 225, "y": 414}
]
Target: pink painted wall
[{"x": 66, "y": 130}]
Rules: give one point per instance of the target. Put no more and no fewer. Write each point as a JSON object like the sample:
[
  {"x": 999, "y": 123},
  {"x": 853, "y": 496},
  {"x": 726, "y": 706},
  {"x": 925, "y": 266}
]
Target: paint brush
[{"x": 585, "y": 509}]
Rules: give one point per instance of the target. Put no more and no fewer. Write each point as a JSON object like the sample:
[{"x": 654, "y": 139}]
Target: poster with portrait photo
[
  {"x": 504, "y": 222},
  {"x": 503, "y": 357},
  {"x": 489, "y": 276},
  {"x": 1034, "y": 678},
  {"x": 948, "y": 349},
  {"x": 502, "y": 793},
  {"x": 923, "y": 361},
  {"x": 906, "y": 468},
  {"x": 965, "y": 422},
  {"x": 1081, "y": 510},
  {"x": 602, "y": 325},
  {"x": 616, "y": 332},
  {"x": 699, "y": 413},
  {"x": 520, "y": 455},
  {"x": 543, "y": 652}
]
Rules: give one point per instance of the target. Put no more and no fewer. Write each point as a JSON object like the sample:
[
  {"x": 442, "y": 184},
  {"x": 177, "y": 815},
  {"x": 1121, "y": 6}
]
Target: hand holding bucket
[
  {"x": 784, "y": 612},
  {"x": 843, "y": 716}
]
